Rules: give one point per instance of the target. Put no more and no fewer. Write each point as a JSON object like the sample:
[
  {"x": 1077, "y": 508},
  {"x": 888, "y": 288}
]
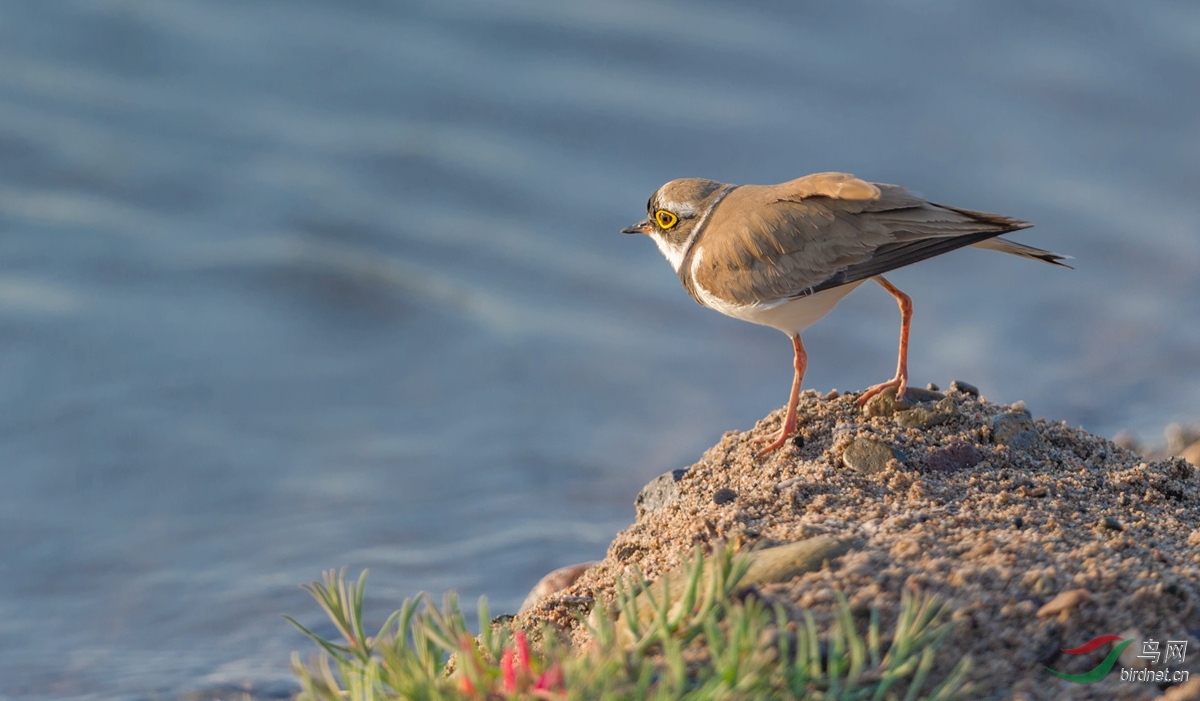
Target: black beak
[{"x": 643, "y": 227}]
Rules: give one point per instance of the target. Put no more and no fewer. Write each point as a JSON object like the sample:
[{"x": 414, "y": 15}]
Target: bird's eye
[{"x": 665, "y": 219}]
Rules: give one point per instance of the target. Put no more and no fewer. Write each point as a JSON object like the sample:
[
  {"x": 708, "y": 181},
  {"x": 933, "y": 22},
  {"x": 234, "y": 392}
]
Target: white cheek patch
[{"x": 673, "y": 253}]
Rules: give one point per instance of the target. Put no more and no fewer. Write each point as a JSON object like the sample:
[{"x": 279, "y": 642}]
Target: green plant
[{"x": 701, "y": 642}]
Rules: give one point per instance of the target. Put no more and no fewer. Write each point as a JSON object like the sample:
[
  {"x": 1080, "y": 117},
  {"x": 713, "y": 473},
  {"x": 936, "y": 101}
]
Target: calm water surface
[{"x": 287, "y": 286}]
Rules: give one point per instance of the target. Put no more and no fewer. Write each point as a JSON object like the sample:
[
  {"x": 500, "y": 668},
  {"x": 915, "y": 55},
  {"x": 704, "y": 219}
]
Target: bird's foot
[
  {"x": 900, "y": 382},
  {"x": 777, "y": 438}
]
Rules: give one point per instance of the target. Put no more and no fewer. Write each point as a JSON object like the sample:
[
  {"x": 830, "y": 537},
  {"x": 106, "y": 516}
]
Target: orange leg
[
  {"x": 789, "y": 418},
  {"x": 900, "y": 381}
]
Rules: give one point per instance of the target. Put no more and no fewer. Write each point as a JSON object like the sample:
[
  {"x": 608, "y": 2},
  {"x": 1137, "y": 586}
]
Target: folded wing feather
[{"x": 831, "y": 229}]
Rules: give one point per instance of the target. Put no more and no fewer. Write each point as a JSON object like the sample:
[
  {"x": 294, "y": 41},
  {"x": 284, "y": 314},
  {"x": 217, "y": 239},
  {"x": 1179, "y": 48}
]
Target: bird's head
[{"x": 674, "y": 211}]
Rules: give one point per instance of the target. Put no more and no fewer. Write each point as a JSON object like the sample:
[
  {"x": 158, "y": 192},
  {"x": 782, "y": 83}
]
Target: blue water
[{"x": 287, "y": 286}]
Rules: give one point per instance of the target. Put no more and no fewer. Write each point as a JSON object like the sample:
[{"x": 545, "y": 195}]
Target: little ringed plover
[{"x": 783, "y": 255}]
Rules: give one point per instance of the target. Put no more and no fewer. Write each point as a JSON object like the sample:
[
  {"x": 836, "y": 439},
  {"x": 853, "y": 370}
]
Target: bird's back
[{"x": 774, "y": 242}]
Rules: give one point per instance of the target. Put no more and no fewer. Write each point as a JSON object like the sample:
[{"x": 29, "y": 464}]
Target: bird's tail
[{"x": 1019, "y": 249}]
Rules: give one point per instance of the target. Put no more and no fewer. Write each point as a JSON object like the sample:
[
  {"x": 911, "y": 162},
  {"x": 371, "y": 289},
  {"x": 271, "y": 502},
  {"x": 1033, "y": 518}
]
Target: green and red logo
[{"x": 1101, "y": 669}]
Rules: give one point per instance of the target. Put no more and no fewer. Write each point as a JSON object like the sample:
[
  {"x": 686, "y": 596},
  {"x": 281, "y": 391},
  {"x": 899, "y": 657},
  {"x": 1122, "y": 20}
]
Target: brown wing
[{"x": 826, "y": 230}]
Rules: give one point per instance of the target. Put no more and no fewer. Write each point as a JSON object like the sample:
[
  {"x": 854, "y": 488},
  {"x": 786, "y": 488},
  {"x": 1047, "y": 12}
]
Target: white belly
[{"x": 790, "y": 316}]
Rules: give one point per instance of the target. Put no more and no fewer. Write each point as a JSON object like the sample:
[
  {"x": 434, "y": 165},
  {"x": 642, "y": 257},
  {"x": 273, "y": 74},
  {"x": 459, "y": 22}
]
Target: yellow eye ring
[{"x": 665, "y": 219}]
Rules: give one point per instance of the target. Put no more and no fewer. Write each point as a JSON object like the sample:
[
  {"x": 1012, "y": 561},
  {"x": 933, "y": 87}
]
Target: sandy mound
[{"x": 1042, "y": 536}]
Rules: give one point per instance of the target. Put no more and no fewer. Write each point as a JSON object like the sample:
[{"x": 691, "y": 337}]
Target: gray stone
[
  {"x": 885, "y": 403},
  {"x": 724, "y": 495},
  {"x": 1014, "y": 429},
  {"x": 868, "y": 456},
  {"x": 661, "y": 490},
  {"x": 1112, "y": 524},
  {"x": 920, "y": 395},
  {"x": 924, "y": 416},
  {"x": 964, "y": 387}
]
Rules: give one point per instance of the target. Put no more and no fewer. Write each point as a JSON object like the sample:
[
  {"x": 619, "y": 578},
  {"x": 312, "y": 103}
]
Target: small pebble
[
  {"x": 660, "y": 491},
  {"x": 1126, "y": 440},
  {"x": 1039, "y": 492},
  {"x": 1014, "y": 429},
  {"x": 724, "y": 495},
  {"x": 964, "y": 387},
  {"x": 868, "y": 456},
  {"x": 885, "y": 403},
  {"x": 1019, "y": 405},
  {"x": 787, "y": 483},
  {"x": 833, "y": 394},
  {"x": 932, "y": 387},
  {"x": 1112, "y": 524},
  {"x": 926, "y": 417},
  {"x": 959, "y": 455},
  {"x": 916, "y": 394},
  {"x": 1065, "y": 601},
  {"x": 1018, "y": 522}
]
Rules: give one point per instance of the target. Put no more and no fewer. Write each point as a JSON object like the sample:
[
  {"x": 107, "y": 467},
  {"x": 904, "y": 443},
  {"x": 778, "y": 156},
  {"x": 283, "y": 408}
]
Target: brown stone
[
  {"x": 1187, "y": 691},
  {"x": 959, "y": 455},
  {"x": 1065, "y": 601},
  {"x": 557, "y": 580},
  {"x": 1192, "y": 454}
]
